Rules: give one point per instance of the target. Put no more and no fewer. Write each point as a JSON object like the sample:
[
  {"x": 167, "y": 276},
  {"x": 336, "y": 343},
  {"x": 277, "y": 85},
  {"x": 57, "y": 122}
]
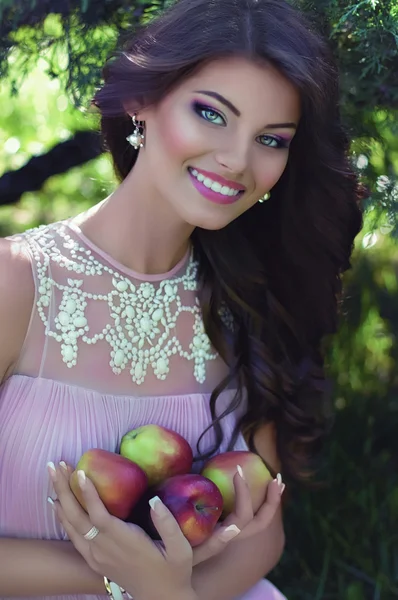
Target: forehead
[{"x": 254, "y": 88}]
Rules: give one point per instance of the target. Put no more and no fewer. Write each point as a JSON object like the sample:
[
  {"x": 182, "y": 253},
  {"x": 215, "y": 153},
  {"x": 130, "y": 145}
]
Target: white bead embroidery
[{"x": 143, "y": 316}]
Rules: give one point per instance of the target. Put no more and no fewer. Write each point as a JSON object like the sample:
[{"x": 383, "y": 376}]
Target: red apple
[
  {"x": 160, "y": 452},
  {"x": 196, "y": 504},
  {"x": 221, "y": 469},
  {"x": 119, "y": 482}
]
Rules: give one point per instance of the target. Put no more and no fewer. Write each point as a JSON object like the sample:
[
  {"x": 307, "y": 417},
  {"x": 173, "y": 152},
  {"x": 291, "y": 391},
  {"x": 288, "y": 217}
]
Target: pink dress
[{"x": 107, "y": 350}]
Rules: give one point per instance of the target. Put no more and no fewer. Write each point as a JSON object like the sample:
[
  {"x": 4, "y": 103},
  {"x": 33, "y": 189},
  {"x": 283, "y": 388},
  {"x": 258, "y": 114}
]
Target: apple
[
  {"x": 221, "y": 470},
  {"x": 160, "y": 452},
  {"x": 195, "y": 502},
  {"x": 119, "y": 482}
]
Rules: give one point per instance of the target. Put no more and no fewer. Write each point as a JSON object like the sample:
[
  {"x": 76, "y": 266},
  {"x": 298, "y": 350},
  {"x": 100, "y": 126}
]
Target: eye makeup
[
  {"x": 282, "y": 142},
  {"x": 199, "y": 108}
]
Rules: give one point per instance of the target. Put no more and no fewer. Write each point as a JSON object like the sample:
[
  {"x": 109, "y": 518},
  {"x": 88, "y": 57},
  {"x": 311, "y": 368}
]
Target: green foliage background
[{"x": 343, "y": 538}]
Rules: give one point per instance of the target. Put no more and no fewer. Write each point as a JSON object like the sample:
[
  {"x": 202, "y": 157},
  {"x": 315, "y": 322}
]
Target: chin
[
  {"x": 211, "y": 220},
  {"x": 210, "y": 224}
]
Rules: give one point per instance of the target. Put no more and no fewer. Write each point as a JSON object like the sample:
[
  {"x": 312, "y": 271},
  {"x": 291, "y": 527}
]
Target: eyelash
[{"x": 202, "y": 108}]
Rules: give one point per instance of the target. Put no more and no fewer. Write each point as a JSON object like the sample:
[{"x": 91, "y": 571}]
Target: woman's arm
[
  {"x": 51, "y": 568},
  {"x": 45, "y": 568},
  {"x": 31, "y": 567},
  {"x": 17, "y": 294},
  {"x": 241, "y": 565},
  {"x": 126, "y": 554}
]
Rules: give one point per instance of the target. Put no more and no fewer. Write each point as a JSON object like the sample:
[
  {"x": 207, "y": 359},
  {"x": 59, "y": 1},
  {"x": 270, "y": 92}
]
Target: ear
[
  {"x": 130, "y": 111},
  {"x": 139, "y": 112}
]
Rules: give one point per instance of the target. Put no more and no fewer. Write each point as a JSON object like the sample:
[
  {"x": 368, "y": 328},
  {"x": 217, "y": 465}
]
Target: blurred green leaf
[{"x": 355, "y": 591}]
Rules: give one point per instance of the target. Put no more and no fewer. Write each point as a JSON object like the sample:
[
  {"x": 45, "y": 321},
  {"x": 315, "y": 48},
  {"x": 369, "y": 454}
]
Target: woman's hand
[
  {"x": 122, "y": 551},
  {"x": 242, "y": 523}
]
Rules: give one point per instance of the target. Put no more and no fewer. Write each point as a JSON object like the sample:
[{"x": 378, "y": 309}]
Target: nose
[{"x": 234, "y": 159}]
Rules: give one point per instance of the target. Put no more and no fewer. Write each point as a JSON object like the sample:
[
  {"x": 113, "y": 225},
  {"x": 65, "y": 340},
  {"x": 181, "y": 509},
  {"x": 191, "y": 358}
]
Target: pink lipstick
[{"x": 215, "y": 196}]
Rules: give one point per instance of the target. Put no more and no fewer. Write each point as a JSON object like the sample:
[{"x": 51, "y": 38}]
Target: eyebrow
[{"x": 237, "y": 112}]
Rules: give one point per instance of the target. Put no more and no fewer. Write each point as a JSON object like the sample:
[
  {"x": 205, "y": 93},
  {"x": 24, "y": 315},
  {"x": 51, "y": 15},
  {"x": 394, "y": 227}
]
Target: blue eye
[
  {"x": 273, "y": 142},
  {"x": 208, "y": 114}
]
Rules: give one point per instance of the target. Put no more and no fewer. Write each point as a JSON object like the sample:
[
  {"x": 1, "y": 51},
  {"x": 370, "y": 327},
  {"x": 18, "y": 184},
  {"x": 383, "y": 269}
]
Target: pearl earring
[
  {"x": 136, "y": 139},
  {"x": 266, "y": 197}
]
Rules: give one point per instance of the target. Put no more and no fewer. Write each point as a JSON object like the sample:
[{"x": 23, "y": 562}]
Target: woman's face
[{"x": 220, "y": 141}]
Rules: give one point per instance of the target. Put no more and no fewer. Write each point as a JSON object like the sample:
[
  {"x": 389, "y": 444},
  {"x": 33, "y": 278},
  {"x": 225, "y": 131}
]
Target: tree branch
[{"x": 81, "y": 148}]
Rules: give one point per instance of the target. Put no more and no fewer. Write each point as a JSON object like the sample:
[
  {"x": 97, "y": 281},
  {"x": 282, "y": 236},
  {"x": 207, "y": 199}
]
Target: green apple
[
  {"x": 160, "y": 452},
  {"x": 222, "y": 468}
]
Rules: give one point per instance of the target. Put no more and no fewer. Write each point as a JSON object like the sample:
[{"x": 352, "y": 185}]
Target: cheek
[
  {"x": 180, "y": 137},
  {"x": 268, "y": 172}
]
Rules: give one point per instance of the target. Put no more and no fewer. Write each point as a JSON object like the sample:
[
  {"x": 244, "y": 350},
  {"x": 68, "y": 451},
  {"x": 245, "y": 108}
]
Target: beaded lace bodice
[{"x": 106, "y": 327}]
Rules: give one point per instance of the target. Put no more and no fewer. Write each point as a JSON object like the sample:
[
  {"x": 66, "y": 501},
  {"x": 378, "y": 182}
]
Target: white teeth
[{"x": 214, "y": 185}]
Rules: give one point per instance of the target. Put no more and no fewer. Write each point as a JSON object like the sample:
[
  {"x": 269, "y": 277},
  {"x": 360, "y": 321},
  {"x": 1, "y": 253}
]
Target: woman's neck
[{"x": 137, "y": 229}]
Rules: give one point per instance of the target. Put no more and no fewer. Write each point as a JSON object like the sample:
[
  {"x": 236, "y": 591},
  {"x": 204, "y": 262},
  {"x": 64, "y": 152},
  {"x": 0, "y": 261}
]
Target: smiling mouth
[
  {"x": 214, "y": 190},
  {"x": 215, "y": 186}
]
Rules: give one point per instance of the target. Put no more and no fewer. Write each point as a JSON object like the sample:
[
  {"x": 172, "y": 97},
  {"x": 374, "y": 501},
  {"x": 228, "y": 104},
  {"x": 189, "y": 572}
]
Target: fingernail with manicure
[
  {"x": 51, "y": 470},
  {"x": 63, "y": 465},
  {"x": 51, "y": 502},
  {"x": 229, "y": 533},
  {"x": 157, "y": 505},
  {"x": 280, "y": 484},
  {"x": 81, "y": 476},
  {"x": 240, "y": 471}
]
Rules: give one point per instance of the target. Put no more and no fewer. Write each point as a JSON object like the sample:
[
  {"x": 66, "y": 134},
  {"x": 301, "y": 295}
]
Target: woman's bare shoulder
[{"x": 17, "y": 294}]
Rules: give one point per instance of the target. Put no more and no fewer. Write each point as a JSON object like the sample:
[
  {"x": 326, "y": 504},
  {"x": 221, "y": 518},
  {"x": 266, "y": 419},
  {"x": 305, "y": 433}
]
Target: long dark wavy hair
[{"x": 277, "y": 268}]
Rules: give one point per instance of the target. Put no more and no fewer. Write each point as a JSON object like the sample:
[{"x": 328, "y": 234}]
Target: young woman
[{"x": 195, "y": 296}]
